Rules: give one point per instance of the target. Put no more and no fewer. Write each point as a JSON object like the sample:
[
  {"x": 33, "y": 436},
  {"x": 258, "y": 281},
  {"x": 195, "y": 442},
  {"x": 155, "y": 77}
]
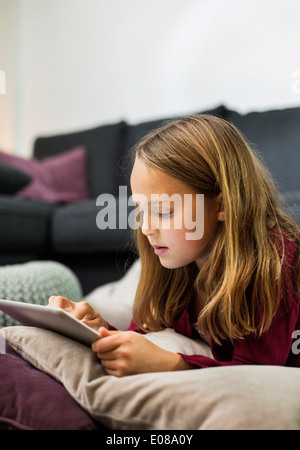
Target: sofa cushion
[
  {"x": 238, "y": 397},
  {"x": 12, "y": 180},
  {"x": 24, "y": 225},
  {"x": 32, "y": 400},
  {"x": 58, "y": 179},
  {"x": 104, "y": 149},
  {"x": 276, "y": 135},
  {"x": 74, "y": 230}
]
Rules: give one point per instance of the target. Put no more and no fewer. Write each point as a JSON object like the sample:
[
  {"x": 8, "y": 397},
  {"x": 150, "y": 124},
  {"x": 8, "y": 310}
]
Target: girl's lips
[{"x": 158, "y": 250}]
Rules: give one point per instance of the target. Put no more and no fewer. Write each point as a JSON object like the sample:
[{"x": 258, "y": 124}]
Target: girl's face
[{"x": 164, "y": 222}]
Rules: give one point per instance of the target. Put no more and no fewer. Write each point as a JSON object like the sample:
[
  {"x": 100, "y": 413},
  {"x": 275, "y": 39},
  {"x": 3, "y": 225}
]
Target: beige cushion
[{"x": 239, "y": 397}]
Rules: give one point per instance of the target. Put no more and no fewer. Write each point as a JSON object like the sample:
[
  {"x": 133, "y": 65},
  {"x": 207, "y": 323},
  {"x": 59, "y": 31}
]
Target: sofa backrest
[
  {"x": 134, "y": 133},
  {"x": 276, "y": 136}
]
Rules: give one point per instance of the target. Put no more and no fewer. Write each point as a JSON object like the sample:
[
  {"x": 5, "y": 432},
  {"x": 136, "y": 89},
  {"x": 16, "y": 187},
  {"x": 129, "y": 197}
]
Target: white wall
[
  {"x": 81, "y": 63},
  {"x": 7, "y": 73}
]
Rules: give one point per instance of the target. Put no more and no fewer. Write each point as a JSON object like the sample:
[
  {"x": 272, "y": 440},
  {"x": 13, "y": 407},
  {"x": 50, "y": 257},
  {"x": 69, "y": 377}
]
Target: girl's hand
[
  {"x": 81, "y": 310},
  {"x": 127, "y": 353}
]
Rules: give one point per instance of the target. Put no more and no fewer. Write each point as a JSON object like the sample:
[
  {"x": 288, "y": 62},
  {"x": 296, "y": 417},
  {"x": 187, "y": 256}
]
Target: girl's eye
[{"x": 164, "y": 214}]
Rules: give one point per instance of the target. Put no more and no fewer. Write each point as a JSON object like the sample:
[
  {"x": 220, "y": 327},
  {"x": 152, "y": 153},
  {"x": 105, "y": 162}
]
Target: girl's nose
[
  {"x": 149, "y": 226},
  {"x": 149, "y": 231}
]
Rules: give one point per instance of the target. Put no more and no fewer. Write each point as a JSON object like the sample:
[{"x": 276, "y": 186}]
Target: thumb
[{"x": 104, "y": 332}]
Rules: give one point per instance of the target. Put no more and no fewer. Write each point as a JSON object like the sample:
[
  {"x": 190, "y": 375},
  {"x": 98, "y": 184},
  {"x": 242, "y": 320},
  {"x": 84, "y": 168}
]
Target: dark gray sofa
[{"x": 35, "y": 230}]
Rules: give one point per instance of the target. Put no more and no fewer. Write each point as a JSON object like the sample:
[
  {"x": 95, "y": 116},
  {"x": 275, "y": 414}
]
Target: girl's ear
[{"x": 221, "y": 213}]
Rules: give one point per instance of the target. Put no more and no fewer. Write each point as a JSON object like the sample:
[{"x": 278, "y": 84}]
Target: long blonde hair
[{"x": 242, "y": 269}]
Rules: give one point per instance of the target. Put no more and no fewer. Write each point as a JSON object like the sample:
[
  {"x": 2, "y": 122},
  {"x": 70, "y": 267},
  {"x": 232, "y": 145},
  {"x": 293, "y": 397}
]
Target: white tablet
[{"x": 50, "y": 318}]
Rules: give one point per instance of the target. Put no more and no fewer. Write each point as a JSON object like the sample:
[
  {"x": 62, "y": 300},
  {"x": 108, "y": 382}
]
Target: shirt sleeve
[{"x": 132, "y": 327}]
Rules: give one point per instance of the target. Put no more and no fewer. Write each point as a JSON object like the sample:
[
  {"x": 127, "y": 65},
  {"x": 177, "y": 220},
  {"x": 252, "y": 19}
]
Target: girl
[{"x": 238, "y": 286}]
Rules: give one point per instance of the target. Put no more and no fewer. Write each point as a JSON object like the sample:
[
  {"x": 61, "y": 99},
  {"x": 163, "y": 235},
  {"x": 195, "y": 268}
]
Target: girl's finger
[
  {"x": 104, "y": 332},
  {"x": 107, "y": 343},
  {"x": 61, "y": 302},
  {"x": 107, "y": 356},
  {"x": 82, "y": 310},
  {"x": 109, "y": 370}
]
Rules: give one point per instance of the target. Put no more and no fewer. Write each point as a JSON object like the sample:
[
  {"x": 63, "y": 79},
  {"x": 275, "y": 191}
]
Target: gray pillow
[
  {"x": 12, "y": 180},
  {"x": 34, "y": 282}
]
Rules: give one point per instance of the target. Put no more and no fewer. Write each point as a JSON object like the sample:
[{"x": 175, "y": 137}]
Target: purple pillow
[
  {"x": 32, "y": 400},
  {"x": 57, "y": 179}
]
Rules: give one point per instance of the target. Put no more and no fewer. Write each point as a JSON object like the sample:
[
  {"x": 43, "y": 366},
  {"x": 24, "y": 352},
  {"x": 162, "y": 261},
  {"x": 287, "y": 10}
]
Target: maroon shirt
[{"x": 274, "y": 347}]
